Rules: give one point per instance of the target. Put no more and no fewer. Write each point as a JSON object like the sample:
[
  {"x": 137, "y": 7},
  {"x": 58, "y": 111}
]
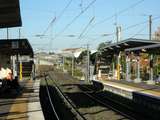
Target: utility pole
[
  {"x": 7, "y": 33},
  {"x": 88, "y": 63},
  {"x": 63, "y": 60},
  {"x": 72, "y": 63},
  {"x": 19, "y": 33},
  {"x": 150, "y": 27},
  {"x": 118, "y": 33},
  {"x": 117, "y": 38}
]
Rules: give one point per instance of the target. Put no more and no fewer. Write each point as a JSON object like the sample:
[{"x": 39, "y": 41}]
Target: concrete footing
[
  {"x": 151, "y": 82},
  {"x": 137, "y": 80}
]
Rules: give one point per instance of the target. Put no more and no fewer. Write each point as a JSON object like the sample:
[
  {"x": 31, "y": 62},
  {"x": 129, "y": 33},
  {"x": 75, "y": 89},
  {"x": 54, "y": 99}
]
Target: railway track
[
  {"x": 107, "y": 104},
  {"x": 78, "y": 113},
  {"x": 50, "y": 101},
  {"x": 114, "y": 105},
  {"x": 82, "y": 102}
]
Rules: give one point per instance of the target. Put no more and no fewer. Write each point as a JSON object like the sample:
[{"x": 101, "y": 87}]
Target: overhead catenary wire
[
  {"x": 85, "y": 9},
  {"x": 63, "y": 11},
  {"x": 86, "y": 27},
  {"x": 138, "y": 32},
  {"x": 141, "y": 30},
  {"x": 55, "y": 19},
  {"x": 115, "y": 15},
  {"x": 135, "y": 25},
  {"x": 50, "y": 24},
  {"x": 127, "y": 28},
  {"x": 75, "y": 18},
  {"x": 120, "y": 12}
]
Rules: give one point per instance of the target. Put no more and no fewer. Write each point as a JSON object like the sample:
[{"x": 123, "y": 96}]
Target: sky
[{"x": 82, "y": 23}]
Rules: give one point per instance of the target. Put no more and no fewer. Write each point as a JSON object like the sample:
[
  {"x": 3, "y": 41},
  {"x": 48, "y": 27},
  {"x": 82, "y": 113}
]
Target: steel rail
[
  {"x": 109, "y": 106},
  {"x": 73, "y": 107},
  {"x": 50, "y": 100},
  {"x": 96, "y": 99},
  {"x": 112, "y": 100}
]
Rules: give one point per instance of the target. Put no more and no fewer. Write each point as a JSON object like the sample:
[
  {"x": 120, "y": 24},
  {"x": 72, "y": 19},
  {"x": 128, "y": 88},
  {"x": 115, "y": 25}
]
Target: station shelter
[
  {"x": 17, "y": 55},
  {"x": 125, "y": 64},
  {"x": 12, "y": 50},
  {"x": 147, "y": 62}
]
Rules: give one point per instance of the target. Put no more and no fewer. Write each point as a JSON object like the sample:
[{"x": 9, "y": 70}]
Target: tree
[
  {"x": 101, "y": 49},
  {"x": 101, "y": 46},
  {"x": 81, "y": 56}
]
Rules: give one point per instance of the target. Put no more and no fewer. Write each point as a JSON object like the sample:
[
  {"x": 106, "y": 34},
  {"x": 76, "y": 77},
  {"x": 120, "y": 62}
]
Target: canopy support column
[
  {"x": 138, "y": 79},
  {"x": 118, "y": 66},
  {"x": 128, "y": 63},
  {"x": 151, "y": 81}
]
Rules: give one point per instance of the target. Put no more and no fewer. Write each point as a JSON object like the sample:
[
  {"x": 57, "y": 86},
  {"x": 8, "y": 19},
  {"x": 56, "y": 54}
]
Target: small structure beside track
[{"x": 16, "y": 55}]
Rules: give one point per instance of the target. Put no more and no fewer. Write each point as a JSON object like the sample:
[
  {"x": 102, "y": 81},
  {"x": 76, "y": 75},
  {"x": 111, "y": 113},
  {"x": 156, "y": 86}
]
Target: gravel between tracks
[{"x": 90, "y": 109}]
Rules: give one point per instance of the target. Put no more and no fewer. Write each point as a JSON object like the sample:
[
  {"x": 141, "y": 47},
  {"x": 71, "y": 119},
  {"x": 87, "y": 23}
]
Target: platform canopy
[
  {"x": 15, "y": 47},
  {"x": 10, "y": 13},
  {"x": 152, "y": 49},
  {"x": 128, "y": 43}
]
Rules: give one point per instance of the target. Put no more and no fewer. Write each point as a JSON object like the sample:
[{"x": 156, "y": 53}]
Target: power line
[
  {"x": 127, "y": 28},
  {"x": 63, "y": 11},
  {"x": 143, "y": 27},
  {"x": 135, "y": 25},
  {"x": 120, "y": 12},
  {"x": 60, "y": 15},
  {"x": 54, "y": 19},
  {"x": 76, "y": 17},
  {"x": 132, "y": 26},
  {"x": 86, "y": 27},
  {"x": 138, "y": 33}
]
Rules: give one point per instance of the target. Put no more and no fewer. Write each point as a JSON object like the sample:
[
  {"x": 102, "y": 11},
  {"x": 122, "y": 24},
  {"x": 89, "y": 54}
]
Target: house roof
[
  {"x": 10, "y": 13},
  {"x": 15, "y": 46}
]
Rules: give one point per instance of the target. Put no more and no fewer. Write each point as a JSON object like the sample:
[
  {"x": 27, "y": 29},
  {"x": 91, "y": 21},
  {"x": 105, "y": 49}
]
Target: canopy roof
[
  {"x": 152, "y": 49},
  {"x": 15, "y": 46},
  {"x": 10, "y": 13},
  {"x": 128, "y": 43}
]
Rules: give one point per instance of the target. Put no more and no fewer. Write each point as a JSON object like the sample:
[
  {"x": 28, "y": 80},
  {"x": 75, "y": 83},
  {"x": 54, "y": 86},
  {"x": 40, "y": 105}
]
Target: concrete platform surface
[
  {"x": 21, "y": 103},
  {"x": 34, "y": 107},
  {"x": 133, "y": 87}
]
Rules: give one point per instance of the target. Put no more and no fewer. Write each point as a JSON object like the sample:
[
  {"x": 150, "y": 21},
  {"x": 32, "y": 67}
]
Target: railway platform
[
  {"x": 125, "y": 88},
  {"x": 22, "y": 103}
]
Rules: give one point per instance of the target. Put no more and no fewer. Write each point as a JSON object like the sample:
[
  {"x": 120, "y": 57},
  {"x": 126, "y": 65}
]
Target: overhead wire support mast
[
  {"x": 150, "y": 27},
  {"x": 135, "y": 25},
  {"x": 88, "y": 63}
]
